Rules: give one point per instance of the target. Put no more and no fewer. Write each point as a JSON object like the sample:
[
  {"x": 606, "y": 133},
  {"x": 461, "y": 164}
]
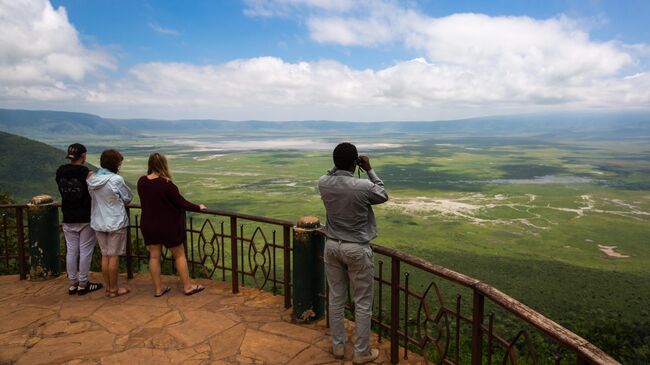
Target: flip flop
[
  {"x": 195, "y": 289},
  {"x": 163, "y": 292},
  {"x": 118, "y": 293}
]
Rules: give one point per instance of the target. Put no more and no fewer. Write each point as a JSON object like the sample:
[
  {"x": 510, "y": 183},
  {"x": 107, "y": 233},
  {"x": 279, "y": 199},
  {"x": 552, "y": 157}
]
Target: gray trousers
[
  {"x": 350, "y": 263},
  {"x": 80, "y": 244}
]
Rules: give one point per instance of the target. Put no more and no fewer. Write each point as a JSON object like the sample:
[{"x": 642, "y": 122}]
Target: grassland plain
[{"x": 526, "y": 215}]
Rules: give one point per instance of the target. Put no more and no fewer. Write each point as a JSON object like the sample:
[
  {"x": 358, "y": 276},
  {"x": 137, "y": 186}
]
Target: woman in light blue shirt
[{"x": 108, "y": 217}]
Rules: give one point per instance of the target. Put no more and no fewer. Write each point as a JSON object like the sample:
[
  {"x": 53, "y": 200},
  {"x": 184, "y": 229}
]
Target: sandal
[
  {"x": 163, "y": 292},
  {"x": 119, "y": 292},
  {"x": 195, "y": 289}
]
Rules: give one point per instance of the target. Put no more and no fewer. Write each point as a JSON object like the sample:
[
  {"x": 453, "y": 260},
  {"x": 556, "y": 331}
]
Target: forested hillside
[{"x": 27, "y": 167}]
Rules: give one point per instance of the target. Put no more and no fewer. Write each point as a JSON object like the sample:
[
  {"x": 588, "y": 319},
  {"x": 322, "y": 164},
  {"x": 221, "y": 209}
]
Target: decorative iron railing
[
  {"x": 245, "y": 249},
  {"x": 412, "y": 306}
]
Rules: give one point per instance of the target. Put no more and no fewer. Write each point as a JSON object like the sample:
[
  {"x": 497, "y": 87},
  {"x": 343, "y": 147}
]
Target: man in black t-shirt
[{"x": 75, "y": 204}]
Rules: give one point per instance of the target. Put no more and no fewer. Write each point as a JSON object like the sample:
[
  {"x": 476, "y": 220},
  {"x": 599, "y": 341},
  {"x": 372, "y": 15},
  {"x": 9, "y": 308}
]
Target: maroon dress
[{"x": 162, "y": 212}]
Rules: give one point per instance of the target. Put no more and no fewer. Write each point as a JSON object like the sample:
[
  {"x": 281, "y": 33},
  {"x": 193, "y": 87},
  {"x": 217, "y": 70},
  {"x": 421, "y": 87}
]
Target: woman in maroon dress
[{"x": 162, "y": 222}]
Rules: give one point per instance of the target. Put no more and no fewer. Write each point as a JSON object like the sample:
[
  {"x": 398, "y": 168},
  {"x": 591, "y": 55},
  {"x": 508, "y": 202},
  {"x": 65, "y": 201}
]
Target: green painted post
[
  {"x": 43, "y": 234},
  {"x": 308, "y": 271}
]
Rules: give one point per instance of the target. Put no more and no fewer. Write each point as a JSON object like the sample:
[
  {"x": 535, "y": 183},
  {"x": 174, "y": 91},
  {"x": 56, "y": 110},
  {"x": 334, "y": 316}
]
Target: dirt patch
[
  {"x": 439, "y": 205},
  {"x": 610, "y": 251}
]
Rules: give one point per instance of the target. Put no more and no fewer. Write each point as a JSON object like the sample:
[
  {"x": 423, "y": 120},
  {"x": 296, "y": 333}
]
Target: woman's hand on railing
[{"x": 202, "y": 207}]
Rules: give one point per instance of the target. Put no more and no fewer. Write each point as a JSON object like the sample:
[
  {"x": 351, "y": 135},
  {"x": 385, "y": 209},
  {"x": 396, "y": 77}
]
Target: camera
[{"x": 359, "y": 161}]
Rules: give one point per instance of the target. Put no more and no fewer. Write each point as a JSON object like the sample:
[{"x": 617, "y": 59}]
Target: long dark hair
[{"x": 158, "y": 164}]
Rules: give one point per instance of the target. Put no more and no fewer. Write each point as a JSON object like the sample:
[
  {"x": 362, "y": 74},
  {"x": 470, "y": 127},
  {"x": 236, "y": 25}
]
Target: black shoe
[
  {"x": 72, "y": 290},
  {"x": 89, "y": 287}
]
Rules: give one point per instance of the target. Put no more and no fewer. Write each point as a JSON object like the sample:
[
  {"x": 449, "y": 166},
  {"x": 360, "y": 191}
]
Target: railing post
[
  {"x": 286, "y": 237},
  {"x": 20, "y": 236},
  {"x": 477, "y": 330},
  {"x": 43, "y": 234},
  {"x": 191, "y": 246},
  {"x": 581, "y": 360},
  {"x": 186, "y": 245},
  {"x": 129, "y": 255},
  {"x": 406, "y": 315},
  {"x": 394, "y": 310},
  {"x": 308, "y": 275},
  {"x": 234, "y": 255}
]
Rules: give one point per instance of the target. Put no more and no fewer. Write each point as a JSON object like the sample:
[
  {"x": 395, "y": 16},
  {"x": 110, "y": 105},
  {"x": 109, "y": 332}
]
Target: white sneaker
[
  {"x": 339, "y": 352},
  {"x": 371, "y": 355}
]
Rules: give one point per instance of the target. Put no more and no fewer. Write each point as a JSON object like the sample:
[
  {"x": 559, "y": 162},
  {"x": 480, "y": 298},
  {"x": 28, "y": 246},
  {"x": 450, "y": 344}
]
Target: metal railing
[
  {"x": 410, "y": 304},
  {"x": 243, "y": 248},
  {"x": 436, "y": 328}
]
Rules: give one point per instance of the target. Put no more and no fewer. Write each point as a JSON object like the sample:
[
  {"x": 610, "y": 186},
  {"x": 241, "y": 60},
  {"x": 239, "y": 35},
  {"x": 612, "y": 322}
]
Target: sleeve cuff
[{"x": 372, "y": 175}]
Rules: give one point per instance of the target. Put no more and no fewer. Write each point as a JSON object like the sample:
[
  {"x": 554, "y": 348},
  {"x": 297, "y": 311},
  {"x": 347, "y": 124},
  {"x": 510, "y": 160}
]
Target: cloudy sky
[{"x": 364, "y": 60}]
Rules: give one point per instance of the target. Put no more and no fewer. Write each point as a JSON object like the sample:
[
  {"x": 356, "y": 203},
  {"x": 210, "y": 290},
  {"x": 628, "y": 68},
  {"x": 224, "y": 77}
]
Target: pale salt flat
[
  {"x": 235, "y": 173},
  {"x": 270, "y": 144},
  {"x": 372, "y": 146},
  {"x": 468, "y": 207},
  {"x": 540, "y": 180},
  {"x": 207, "y": 158}
]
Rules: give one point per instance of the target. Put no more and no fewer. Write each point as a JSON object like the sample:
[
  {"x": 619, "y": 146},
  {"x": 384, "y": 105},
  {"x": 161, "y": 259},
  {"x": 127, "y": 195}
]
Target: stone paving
[{"x": 41, "y": 324}]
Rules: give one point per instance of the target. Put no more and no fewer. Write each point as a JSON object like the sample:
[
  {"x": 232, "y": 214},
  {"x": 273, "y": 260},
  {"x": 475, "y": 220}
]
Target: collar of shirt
[{"x": 337, "y": 172}]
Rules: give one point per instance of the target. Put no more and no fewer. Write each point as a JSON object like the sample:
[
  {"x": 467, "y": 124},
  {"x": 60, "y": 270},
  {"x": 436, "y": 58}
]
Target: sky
[{"x": 369, "y": 60}]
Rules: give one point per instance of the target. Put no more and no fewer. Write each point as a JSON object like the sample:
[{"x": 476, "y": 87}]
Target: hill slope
[
  {"x": 44, "y": 123},
  {"x": 575, "y": 125},
  {"x": 27, "y": 167}
]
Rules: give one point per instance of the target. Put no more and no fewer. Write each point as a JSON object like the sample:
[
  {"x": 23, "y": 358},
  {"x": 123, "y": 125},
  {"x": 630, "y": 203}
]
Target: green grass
[{"x": 541, "y": 251}]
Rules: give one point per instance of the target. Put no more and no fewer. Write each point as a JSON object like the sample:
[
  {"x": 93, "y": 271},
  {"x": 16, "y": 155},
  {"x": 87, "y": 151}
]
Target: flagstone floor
[{"x": 41, "y": 324}]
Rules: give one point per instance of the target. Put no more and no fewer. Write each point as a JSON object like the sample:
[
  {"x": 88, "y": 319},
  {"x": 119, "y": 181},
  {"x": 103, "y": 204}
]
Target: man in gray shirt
[{"x": 348, "y": 256}]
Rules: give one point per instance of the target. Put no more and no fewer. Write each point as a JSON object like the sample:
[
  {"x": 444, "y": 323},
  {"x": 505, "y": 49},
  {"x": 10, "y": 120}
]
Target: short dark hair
[
  {"x": 345, "y": 154},
  {"x": 111, "y": 160},
  {"x": 75, "y": 151}
]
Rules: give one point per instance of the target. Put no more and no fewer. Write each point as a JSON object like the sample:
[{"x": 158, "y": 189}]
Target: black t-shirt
[{"x": 75, "y": 199}]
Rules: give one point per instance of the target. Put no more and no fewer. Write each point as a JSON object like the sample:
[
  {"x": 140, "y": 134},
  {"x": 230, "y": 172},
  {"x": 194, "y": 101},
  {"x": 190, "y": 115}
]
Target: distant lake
[
  {"x": 540, "y": 180},
  {"x": 270, "y": 144}
]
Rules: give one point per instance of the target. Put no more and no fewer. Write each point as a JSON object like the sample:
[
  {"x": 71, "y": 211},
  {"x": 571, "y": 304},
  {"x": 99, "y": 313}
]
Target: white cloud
[
  {"x": 40, "y": 51},
  {"x": 470, "y": 65},
  {"x": 269, "y": 88},
  {"x": 271, "y": 8},
  {"x": 551, "y": 50},
  {"x": 162, "y": 30},
  {"x": 369, "y": 23}
]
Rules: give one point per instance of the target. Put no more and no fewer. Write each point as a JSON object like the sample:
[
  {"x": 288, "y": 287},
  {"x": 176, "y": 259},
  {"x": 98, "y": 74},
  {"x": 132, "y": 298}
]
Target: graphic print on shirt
[{"x": 71, "y": 189}]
